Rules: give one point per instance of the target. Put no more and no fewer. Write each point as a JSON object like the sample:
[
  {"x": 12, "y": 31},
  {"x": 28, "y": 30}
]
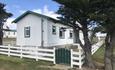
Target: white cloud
[
  {"x": 44, "y": 11},
  {"x": 49, "y": 13},
  {"x": 9, "y": 24},
  {"x": 37, "y": 10}
]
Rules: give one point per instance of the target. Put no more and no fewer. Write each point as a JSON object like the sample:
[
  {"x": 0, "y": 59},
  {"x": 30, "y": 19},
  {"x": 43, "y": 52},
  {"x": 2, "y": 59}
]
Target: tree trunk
[
  {"x": 108, "y": 53},
  {"x": 92, "y": 36},
  {"x": 1, "y": 36},
  {"x": 87, "y": 49},
  {"x": 113, "y": 57},
  {"x": 76, "y": 35},
  {"x": 113, "y": 49},
  {"x": 0, "y": 41}
]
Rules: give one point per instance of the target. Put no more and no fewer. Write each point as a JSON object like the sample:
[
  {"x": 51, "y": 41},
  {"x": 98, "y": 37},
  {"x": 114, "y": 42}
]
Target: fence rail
[
  {"x": 96, "y": 46},
  {"x": 41, "y": 54},
  {"x": 77, "y": 57},
  {"x": 28, "y": 52}
]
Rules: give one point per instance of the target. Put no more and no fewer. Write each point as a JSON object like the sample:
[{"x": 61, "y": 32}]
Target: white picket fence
[
  {"x": 41, "y": 54},
  {"x": 77, "y": 58},
  {"x": 29, "y": 52},
  {"x": 96, "y": 46}
]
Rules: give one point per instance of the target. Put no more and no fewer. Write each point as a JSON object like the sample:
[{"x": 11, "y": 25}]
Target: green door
[{"x": 63, "y": 56}]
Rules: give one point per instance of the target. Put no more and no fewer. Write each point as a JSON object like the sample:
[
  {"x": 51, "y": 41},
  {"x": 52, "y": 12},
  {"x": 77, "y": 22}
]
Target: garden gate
[{"x": 63, "y": 56}]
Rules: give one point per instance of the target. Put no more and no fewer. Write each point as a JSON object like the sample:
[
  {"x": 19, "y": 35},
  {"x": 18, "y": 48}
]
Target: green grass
[
  {"x": 15, "y": 63},
  {"x": 99, "y": 55}
]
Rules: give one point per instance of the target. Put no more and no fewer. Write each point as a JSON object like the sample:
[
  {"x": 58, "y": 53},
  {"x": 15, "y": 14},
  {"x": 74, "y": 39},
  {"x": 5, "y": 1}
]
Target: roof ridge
[{"x": 31, "y": 12}]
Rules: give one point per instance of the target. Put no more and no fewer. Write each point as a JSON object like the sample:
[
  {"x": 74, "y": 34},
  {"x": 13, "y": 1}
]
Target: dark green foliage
[
  {"x": 3, "y": 14},
  {"x": 81, "y": 11},
  {"x": 3, "y": 17}
]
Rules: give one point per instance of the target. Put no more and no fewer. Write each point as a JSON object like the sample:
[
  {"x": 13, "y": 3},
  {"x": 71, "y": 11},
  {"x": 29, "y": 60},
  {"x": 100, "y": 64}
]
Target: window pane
[
  {"x": 53, "y": 29},
  {"x": 61, "y": 33},
  {"x": 71, "y": 33},
  {"x": 27, "y": 32}
]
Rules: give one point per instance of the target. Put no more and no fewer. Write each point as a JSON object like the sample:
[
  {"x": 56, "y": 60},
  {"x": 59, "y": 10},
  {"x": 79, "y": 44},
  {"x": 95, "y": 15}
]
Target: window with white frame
[
  {"x": 27, "y": 32},
  {"x": 62, "y": 33},
  {"x": 70, "y": 34},
  {"x": 53, "y": 29}
]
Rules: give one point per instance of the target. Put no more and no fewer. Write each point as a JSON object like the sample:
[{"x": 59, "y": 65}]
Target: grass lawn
[
  {"x": 15, "y": 63},
  {"x": 99, "y": 55}
]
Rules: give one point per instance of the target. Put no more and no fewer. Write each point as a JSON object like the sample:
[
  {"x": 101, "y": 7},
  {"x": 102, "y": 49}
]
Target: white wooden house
[{"x": 40, "y": 30}]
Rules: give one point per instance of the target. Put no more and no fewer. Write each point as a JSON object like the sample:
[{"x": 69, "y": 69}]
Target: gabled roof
[{"x": 37, "y": 14}]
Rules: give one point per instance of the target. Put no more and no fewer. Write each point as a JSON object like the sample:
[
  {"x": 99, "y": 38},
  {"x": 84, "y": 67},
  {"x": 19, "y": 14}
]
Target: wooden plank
[
  {"x": 75, "y": 58},
  {"x": 3, "y": 49},
  {"x": 75, "y": 53},
  {"x": 45, "y": 50},
  {"x": 28, "y": 52},
  {"x": 12, "y": 47},
  {"x": 76, "y": 63},
  {"x": 14, "y": 54},
  {"x": 6, "y": 53},
  {"x": 17, "y": 51},
  {"x": 47, "y": 59},
  {"x": 29, "y": 56},
  {"x": 45, "y": 54}
]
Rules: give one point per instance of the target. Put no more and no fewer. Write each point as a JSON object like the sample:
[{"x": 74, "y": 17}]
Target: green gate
[{"x": 63, "y": 56}]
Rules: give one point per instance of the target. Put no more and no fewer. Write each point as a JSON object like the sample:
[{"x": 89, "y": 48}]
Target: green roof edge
[{"x": 30, "y": 12}]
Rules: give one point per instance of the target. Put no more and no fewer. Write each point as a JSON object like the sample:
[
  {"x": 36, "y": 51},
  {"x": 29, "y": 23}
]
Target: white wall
[
  {"x": 45, "y": 32},
  {"x": 35, "y": 30},
  {"x": 55, "y": 39},
  {"x": 35, "y": 39}
]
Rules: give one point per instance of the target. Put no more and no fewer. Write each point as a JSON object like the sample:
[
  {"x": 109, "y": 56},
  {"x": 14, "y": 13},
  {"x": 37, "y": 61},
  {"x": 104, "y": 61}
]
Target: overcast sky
[{"x": 18, "y": 7}]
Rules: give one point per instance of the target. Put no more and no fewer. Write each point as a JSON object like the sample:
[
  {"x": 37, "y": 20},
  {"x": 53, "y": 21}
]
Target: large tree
[
  {"x": 3, "y": 17},
  {"x": 80, "y": 11},
  {"x": 106, "y": 18}
]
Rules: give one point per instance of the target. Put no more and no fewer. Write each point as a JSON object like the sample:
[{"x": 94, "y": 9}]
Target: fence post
[
  {"x": 8, "y": 49},
  {"x": 21, "y": 51},
  {"x": 71, "y": 58},
  {"x": 80, "y": 58},
  {"x": 36, "y": 53},
  {"x": 54, "y": 55}
]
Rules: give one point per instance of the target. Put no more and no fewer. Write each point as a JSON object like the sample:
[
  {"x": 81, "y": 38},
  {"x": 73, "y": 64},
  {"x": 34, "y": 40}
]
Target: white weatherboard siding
[
  {"x": 55, "y": 39},
  {"x": 37, "y": 35},
  {"x": 35, "y": 30}
]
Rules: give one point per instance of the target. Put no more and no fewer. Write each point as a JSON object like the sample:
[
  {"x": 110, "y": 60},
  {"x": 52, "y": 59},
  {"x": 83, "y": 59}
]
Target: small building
[
  {"x": 39, "y": 30},
  {"x": 9, "y": 37}
]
